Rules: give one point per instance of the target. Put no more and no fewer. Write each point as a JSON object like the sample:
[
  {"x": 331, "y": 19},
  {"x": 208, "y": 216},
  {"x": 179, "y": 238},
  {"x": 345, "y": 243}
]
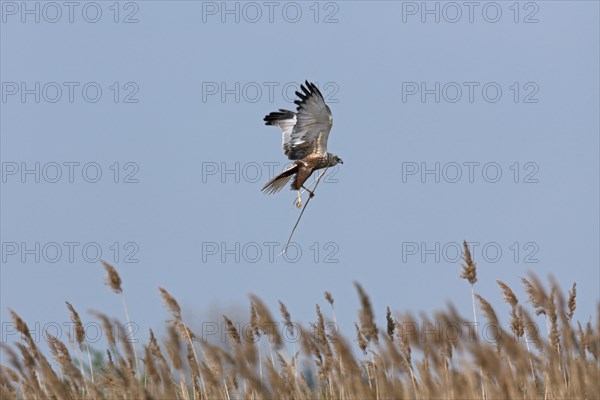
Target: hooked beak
[{"x": 341, "y": 162}]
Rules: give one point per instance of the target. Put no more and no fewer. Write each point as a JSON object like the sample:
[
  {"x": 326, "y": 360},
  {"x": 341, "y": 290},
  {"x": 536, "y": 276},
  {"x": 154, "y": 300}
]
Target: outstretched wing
[
  {"x": 306, "y": 131},
  {"x": 286, "y": 120}
]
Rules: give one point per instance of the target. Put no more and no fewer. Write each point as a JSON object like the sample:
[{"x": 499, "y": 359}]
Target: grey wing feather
[
  {"x": 313, "y": 123},
  {"x": 285, "y": 120},
  {"x": 307, "y": 130}
]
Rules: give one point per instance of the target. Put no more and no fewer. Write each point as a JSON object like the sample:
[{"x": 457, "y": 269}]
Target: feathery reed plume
[
  {"x": 232, "y": 331},
  {"x": 107, "y": 327},
  {"x": 329, "y": 298},
  {"x": 323, "y": 344},
  {"x": 63, "y": 358},
  {"x": 516, "y": 322},
  {"x": 551, "y": 311},
  {"x": 582, "y": 341},
  {"x": 366, "y": 315},
  {"x": 155, "y": 348},
  {"x": 150, "y": 369},
  {"x": 266, "y": 323},
  {"x": 469, "y": 267},
  {"x": 469, "y": 272},
  {"x": 509, "y": 296},
  {"x": 167, "y": 381},
  {"x": 572, "y": 304},
  {"x": 391, "y": 325},
  {"x": 114, "y": 281},
  {"x": 178, "y": 323},
  {"x": 488, "y": 310},
  {"x": 407, "y": 354},
  {"x": 194, "y": 371},
  {"x": 319, "y": 327},
  {"x": 254, "y": 322},
  {"x": 23, "y": 329},
  {"x": 112, "y": 278},
  {"x": 27, "y": 355},
  {"x": 171, "y": 304},
  {"x": 79, "y": 330},
  {"x": 80, "y": 337},
  {"x": 593, "y": 340},
  {"x": 110, "y": 360},
  {"x": 173, "y": 348},
  {"x": 127, "y": 341},
  {"x": 360, "y": 338},
  {"x": 448, "y": 362},
  {"x": 537, "y": 298},
  {"x": 287, "y": 319}
]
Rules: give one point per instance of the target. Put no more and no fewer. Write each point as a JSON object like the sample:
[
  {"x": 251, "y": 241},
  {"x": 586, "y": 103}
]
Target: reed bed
[{"x": 439, "y": 356}]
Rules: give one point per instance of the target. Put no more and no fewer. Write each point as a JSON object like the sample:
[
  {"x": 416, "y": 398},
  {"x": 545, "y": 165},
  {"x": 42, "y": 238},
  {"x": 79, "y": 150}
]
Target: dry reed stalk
[
  {"x": 360, "y": 339},
  {"x": 287, "y": 319},
  {"x": 537, "y": 297},
  {"x": 267, "y": 325},
  {"x": 255, "y": 330},
  {"x": 175, "y": 310},
  {"x": 80, "y": 338},
  {"x": 63, "y": 358},
  {"x": 564, "y": 366},
  {"x": 572, "y": 303},
  {"x": 113, "y": 279},
  {"x": 469, "y": 273},
  {"x": 265, "y": 322},
  {"x": 22, "y": 328},
  {"x": 366, "y": 316},
  {"x": 329, "y": 299},
  {"x": 391, "y": 325}
]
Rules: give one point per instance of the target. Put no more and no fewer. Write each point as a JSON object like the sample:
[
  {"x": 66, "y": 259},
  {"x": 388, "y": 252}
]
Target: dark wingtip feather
[
  {"x": 278, "y": 116},
  {"x": 305, "y": 90},
  {"x": 309, "y": 90},
  {"x": 314, "y": 88}
]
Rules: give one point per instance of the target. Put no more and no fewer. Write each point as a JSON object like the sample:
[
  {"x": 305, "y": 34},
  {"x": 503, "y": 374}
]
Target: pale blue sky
[{"x": 379, "y": 223}]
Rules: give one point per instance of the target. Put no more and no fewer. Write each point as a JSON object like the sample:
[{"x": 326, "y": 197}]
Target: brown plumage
[{"x": 305, "y": 135}]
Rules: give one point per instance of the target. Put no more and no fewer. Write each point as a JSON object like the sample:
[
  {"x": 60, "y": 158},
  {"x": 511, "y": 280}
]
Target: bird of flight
[{"x": 304, "y": 134}]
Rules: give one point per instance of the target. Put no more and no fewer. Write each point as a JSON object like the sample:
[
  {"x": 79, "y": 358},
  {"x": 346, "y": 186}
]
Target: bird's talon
[{"x": 299, "y": 201}]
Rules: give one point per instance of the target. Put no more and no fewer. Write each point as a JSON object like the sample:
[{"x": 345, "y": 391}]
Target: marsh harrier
[{"x": 304, "y": 134}]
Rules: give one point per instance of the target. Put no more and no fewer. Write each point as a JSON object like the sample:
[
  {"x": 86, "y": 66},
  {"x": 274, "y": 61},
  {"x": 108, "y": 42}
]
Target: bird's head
[{"x": 336, "y": 160}]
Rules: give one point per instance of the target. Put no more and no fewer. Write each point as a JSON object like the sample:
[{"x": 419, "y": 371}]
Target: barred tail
[{"x": 277, "y": 183}]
